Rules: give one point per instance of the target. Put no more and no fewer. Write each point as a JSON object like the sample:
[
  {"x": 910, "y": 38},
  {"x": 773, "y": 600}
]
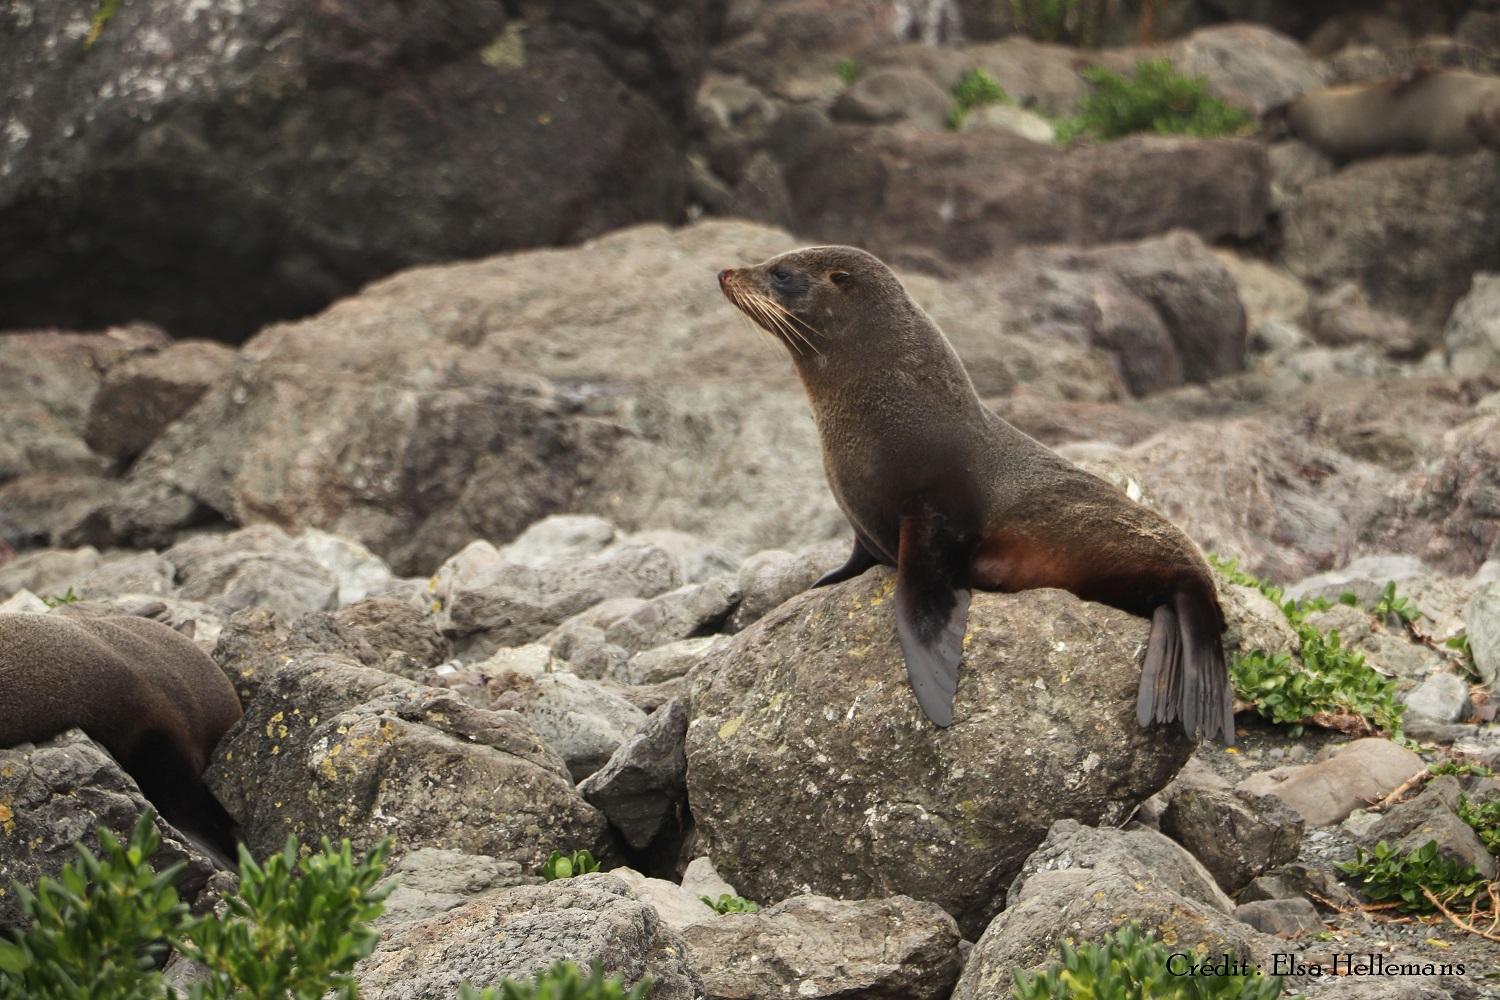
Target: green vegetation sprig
[
  {"x": 1332, "y": 686},
  {"x": 974, "y": 89},
  {"x": 1388, "y": 875},
  {"x": 1156, "y": 99},
  {"x": 731, "y": 904},
  {"x": 292, "y": 932},
  {"x": 850, "y": 70},
  {"x": 1130, "y": 965},
  {"x": 564, "y": 981},
  {"x": 58, "y": 600},
  {"x": 1484, "y": 817},
  {"x": 559, "y": 865}
]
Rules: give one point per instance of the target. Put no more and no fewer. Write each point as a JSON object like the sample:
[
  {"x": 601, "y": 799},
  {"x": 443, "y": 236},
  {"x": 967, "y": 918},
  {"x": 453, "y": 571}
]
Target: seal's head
[{"x": 818, "y": 299}]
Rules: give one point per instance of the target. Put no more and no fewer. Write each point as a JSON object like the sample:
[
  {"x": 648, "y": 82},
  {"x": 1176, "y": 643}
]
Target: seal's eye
[{"x": 781, "y": 276}]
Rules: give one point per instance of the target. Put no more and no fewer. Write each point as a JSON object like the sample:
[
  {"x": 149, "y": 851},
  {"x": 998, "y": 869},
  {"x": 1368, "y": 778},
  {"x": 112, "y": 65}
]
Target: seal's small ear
[{"x": 838, "y": 277}]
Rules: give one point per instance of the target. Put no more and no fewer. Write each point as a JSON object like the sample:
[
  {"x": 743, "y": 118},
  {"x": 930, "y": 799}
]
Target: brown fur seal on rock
[
  {"x": 1424, "y": 111},
  {"x": 938, "y": 486},
  {"x": 147, "y": 693}
]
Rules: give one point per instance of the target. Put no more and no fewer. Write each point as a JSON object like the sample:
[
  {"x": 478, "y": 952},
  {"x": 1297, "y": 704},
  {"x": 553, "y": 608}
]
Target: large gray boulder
[
  {"x": 1083, "y": 883},
  {"x": 1471, "y": 340},
  {"x": 522, "y": 931},
  {"x": 212, "y": 168},
  {"x": 822, "y": 949},
  {"x": 807, "y": 747},
  {"x": 1389, "y": 224},
  {"x": 329, "y": 746}
]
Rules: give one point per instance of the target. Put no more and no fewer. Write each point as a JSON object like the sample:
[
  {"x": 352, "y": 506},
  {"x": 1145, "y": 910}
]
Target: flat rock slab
[
  {"x": 807, "y": 747},
  {"x": 1328, "y": 790}
]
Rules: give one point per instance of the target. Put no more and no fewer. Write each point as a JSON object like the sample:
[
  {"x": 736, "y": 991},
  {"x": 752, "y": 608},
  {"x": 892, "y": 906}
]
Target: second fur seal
[{"x": 938, "y": 486}]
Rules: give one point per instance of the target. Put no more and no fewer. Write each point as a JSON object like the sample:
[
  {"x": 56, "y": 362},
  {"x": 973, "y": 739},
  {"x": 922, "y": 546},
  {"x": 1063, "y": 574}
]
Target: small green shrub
[
  {"x": 1387, "y": 875},
  {"x": 1484, "y": 817},
  {"x": 58, "y": 600},
  {"x": 850, "y": 70},
  {"x": 559, "y": 865},
  {"x": 1157, "y": 99},
  {"x": 731, "y": 904},
  {"x": 293, "y": 931},
  {"x": 1129, "y": 965},
  {"x": 1391, "y": 605},
  {"x": 974, "y": 89},
  {"x": 1460, "y": 645},
  {"x": 564, "y": 981},
  {"x": 1331, "y": 680},
  {"x": 102, "y": 15}
]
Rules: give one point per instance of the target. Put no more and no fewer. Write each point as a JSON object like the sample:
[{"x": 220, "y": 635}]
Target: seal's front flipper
[
  {"x": 859, "y": 561},
  {"x": 932, "y": 610}
]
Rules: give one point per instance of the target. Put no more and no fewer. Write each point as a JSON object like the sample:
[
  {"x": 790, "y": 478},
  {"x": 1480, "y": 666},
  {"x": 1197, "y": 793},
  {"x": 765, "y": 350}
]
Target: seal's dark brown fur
[
  {"x": 148, "y": 694},
  {"x": 937, "y": 485}
]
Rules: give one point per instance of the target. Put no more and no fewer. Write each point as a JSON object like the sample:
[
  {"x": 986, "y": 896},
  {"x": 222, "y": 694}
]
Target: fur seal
[
  {"x": 1424, "y": 111},
  {"x": 938, "y": 486},
  {"x": 147, "y": 693}
]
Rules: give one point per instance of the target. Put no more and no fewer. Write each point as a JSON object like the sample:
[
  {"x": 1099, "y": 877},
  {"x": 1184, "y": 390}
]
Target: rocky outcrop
[
  {"x": 520, "y": 932},
  {"x": 279, "y": 156},
  {"x": 330, "y": 745},
  {"x": 812, "y": 946},
  {"x": 807, "y": 747}
]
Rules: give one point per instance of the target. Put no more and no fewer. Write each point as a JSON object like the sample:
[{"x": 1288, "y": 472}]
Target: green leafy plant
[
  {"x": 850, "y": 70},
  {"x": 1460, "y": 645},
  {"x": 1130, "y": 965},
  {"x": 1156, "y": 99},
  {"x": 1388, "y": 875},
  {"x": 1331, "y": 685},
  {"x": 559, "y": 865},
  {"x": 731, "y": 904},
  {"x": 1484, "y": 817},
  {"x": 974, "y": 89},
  {"x": 564, "y": 981},
  {"x": 1458, "y": 770},
  {"x": 292, "y": 932},
  {"x": 58, "y": 600},
  {"x": 1391, "y": 605}
]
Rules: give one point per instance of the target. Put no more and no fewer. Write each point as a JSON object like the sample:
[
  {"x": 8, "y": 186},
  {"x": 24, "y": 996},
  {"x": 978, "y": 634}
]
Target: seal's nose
[{"x": 724, "y": 276}]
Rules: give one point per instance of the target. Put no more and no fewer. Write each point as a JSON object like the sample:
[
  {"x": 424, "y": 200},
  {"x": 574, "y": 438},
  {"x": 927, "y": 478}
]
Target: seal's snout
[{"x": 726, "y": 279}]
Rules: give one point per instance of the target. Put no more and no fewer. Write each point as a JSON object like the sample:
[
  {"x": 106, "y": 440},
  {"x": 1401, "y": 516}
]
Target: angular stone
[
  {"x": 1281, "y": 917},
  {"x": 1352, "y": 776},
  {"x": 644, "y": 784}
]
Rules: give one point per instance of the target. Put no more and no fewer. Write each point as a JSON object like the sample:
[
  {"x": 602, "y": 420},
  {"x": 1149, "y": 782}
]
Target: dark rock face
[
  {"x": 973, "y": 197},
  {"x": 212, "y": 167},
  {"x": 806, "y": 746}
]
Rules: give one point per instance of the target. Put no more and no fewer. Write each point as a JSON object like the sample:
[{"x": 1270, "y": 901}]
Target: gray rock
[
  {"x": 1471, "y": 340},
  {"x": 1354, "y": 775},
  {"x": 1431, "y": 817},
  {"x": 559, "y": 538},
  {"x": 669, "y": 662},
  {"x": 772, "y": 576},
  {"x": 330, "y": 745},
  {"x": 59, "y": 792},
  {"x": 579, "y": 719},
  {"x": 1083, "y": 883},
  {"x": 1441, "y": 698},
  {"x": 23, "y": 602},
  {"x": 1011, "y": 120},
  {"x": 1247, "y": 65},
  {"x": 699, "y": 560},
  {"x": 1344, "y": 317},
  {"x": 1281, "y": 917},
  {"x": 701, "y": 879},
  {"x": 49, "y": 571},
  {"x": 1339, "y": 228},
  {"x": 522, "y": 932},
  {"x": 431, "y": 880},
  {"x": 1235, "y": 836},
  {"x": 360, "y": 572},
  {"x": 109, "y": 144},
  {"x": 813, "y": 946},
  {"x": 883, "y": 96},
  {"x": 142, "y": 573},
  {"x": 139, "y": 397},
  {"x": 644, "y": 784},
  {"x": 789, "y": 772},
  {"x": 676, "y": 907},
  {"x": 1483, "y": 629},
  {"x": 692, "y": 610},
  {"x": 257, "y": 567}
]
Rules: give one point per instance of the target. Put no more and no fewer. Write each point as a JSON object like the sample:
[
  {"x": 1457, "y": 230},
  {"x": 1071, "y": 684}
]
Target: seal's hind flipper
[
  {"x": 932, "y": 610},
  {"x": 1184, "y": 675},
  {"x": 859, "y": 560}
]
